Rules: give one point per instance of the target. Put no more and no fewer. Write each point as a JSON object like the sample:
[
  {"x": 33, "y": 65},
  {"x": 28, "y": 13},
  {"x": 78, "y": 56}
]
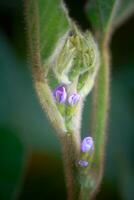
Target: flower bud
[
  {"x": 83, "y": 163},
  {"x": 87, "y": 144},
  {"x": 73, "y": 99},
  {"x": 60, "y": 94},
  {"x": 76, "y": 59}
]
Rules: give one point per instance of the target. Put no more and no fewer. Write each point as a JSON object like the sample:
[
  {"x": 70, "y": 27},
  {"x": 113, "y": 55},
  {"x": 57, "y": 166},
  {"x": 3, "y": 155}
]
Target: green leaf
[
  {"x": 101, "y": 13},
  {"x": 125, "y": 10},
  {"x": 46, "y": 22},
  {"x": 105, "y": 14}
]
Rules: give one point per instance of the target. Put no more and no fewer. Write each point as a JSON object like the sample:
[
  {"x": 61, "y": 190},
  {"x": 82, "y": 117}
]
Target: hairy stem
[
  {"x": 38, "y": 69},
  {"x": 100, "y": 113},
  {"x": 70, "y": 149}
]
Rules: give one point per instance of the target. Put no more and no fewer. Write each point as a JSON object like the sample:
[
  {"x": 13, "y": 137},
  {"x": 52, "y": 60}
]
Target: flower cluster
[
  {"x": 60, "y": 96},
  {"x": 87, "y": 146}
]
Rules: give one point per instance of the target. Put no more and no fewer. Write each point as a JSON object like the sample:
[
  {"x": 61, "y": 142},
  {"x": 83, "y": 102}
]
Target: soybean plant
[{"x": 68, "y": 61}]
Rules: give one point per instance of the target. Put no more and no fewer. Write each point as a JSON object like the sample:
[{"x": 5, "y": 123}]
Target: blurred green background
[{"x": 30, "y": 156}]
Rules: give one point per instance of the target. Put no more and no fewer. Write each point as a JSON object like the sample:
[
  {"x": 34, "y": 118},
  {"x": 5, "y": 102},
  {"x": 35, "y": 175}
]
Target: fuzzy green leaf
[{"x": 46, "y": 23}]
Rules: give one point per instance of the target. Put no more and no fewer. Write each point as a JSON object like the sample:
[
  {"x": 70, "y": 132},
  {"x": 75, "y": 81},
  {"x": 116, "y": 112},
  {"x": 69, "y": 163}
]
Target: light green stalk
[{"x": 100, "y": 114}]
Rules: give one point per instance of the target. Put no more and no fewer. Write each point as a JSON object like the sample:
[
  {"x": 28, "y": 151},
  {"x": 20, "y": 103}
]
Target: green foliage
[
  {"x": 125, "y": 10},
  {"x": 21, "y": 115},
  {"x": 106, "y": 14},
  {"x": 47, "y": 23},
  {"x": 45, "y": 56},
  {"x": 101, "y": 13}
]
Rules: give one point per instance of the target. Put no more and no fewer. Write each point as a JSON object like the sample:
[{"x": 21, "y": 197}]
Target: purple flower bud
[
  {"x": 73, "y": 99},
  {"x": 87, "y": 144},
  {"x": 60, "y": 94},
  {"x": 83, "y": 163}
]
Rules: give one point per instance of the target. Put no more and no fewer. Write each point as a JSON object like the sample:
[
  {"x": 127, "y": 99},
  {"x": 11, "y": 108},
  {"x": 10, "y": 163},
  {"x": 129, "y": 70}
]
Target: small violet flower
[
  {"x": 60, "y": 94},
  {"x": 87, "y": 144},
  {"x": 73, "y": 99},
  {"x": 83, "y": 163}
]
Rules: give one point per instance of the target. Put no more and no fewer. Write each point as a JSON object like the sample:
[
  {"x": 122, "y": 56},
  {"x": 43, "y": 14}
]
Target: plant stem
[
  {"x": 70, "y": 149},
  {"x": 38, "y": 69},
  {"x": 91, "y": 178},
  {"x": 71, "y": 144},
  {"x": 100, "y": 113}
]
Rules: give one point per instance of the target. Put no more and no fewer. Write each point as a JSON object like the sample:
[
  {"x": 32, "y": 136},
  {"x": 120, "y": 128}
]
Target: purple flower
[
  {"x": 83, "y": 163},
  {"x": 73, "y": 99},
  {"x": 60, "y": 94},
  {"x": 87, "y": 144}
]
